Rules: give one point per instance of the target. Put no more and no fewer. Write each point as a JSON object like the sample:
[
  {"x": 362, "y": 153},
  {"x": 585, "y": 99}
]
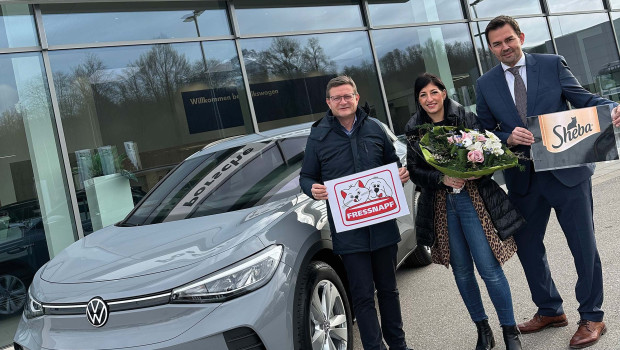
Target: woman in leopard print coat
[{"x": 460, "y": 219}]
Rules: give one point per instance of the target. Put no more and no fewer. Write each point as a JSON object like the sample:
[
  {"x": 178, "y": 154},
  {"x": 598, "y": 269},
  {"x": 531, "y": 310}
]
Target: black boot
[
  {"x": 485, "y": 336},
  {"x": 511, "y": 337}
]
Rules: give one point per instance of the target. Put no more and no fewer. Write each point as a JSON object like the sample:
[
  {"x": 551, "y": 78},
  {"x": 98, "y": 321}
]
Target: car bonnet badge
[{"x": 97, "y": 312}]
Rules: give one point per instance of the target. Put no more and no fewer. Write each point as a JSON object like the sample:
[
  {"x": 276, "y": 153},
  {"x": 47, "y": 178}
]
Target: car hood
[{"x": 115, "y": 253}]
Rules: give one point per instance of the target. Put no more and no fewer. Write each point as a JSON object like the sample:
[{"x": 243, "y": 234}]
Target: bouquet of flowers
[{"x": 465, "y": 153}]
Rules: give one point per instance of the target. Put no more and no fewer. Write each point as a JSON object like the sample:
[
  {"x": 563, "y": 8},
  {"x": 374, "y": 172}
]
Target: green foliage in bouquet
[{"x": 464, "y": 153}]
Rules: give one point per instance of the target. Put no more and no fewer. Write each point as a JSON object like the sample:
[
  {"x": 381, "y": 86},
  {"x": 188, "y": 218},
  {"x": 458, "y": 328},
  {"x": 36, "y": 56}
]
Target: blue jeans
[{"x": 468, "y": 244}]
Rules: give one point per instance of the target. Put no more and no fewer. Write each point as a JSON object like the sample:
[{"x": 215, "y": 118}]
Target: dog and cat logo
[{"x": 366, "y": 198}]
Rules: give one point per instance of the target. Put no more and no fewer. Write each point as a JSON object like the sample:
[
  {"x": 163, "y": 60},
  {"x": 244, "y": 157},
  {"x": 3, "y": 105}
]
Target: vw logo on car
[{"x": 97, "y": 312}]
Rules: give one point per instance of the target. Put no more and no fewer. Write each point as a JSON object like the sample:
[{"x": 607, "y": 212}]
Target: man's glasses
[{"x": 347, "y": 98}]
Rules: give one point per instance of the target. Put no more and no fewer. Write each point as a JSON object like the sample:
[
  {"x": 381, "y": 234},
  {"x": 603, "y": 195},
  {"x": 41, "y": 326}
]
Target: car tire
[
  {"x": 420, "y": 256},
  {"x": 13, "y": 293},
  {"x": 323, "y": 312}
]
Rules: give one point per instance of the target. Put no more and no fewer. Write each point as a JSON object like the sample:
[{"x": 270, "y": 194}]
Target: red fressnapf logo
[{"x": 367, "y": 198}]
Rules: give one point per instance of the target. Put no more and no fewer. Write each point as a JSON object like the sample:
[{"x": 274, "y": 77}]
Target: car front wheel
[
  {"x": 324, "y": 318},
  {"x": 12, "y": 294}
]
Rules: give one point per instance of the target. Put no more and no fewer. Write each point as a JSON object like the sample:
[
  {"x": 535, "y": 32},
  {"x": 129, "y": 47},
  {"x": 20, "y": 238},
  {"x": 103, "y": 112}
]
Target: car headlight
[
  {"x": 32, "y": 308},
  {"x": 243, "y": 277}
]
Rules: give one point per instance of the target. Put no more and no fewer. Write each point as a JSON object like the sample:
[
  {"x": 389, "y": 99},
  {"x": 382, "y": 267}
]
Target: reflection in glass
[
  {"x": 556, "y": 6},
  {"x": 83, "y": 23},
  {"x": 405, "y": 53},
  {"x": 35, "y": 219},
  {"x": 139, "y": 110},
  {"x": 269, "y": 16},
  {"x": 490, "y": 8},
  {"x": 409, "y": 11},
  {"x": 17, "y": 26},
  {"x": 537, "y": 40},
  {"x": 610, "y": 74},
  {"x": 288, "y": 75},
  {"x": 587, "y": 43},
  {"x": 251, "y": 175}
]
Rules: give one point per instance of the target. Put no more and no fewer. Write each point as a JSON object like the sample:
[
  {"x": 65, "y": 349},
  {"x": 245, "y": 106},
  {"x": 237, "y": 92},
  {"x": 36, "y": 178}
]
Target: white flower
[
  {"x": 492, "y": 136},
  {"x": 476, "y": 146}
]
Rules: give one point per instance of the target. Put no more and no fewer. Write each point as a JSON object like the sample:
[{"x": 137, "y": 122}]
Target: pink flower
[
  {"x": 475, "y": 156},
  {"x": 451, "y": 139},
  {"x": 481, "y": 138}
]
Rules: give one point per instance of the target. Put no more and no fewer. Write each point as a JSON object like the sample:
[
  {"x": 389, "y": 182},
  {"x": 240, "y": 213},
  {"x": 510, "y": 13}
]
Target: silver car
[{"x": 226, "y": 252}]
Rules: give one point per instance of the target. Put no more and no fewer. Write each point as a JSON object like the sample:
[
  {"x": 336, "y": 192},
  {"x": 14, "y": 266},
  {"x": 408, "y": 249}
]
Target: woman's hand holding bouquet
[{"x": 464, "y": 153}]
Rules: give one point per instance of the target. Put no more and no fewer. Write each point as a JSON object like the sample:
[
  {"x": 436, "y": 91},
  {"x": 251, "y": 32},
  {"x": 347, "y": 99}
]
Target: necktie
[{"x": 520, "y": 94}]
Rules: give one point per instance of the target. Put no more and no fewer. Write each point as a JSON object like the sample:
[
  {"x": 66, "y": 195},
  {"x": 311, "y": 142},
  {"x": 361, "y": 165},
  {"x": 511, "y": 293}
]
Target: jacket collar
[
  {"x": 329, "y": 121},
  {"x": 323, "y": 126}
]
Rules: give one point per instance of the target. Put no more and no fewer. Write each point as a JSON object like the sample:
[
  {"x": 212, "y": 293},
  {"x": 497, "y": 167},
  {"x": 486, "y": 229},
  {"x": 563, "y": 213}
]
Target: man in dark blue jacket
[
  {"x": 533, "y": 84},
  {"x": 347, "y": 141}
]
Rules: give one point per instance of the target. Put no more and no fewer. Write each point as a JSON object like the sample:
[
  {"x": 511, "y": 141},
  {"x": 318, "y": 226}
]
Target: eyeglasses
[{"x": 347, "y": 98}]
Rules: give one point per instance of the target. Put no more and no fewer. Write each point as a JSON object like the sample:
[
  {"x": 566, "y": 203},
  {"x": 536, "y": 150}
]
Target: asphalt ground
[{"x": 435, "y": 317}]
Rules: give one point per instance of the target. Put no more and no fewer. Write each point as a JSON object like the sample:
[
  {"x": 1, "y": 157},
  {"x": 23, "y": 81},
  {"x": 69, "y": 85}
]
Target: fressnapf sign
[{"x": 366, "y": 198}]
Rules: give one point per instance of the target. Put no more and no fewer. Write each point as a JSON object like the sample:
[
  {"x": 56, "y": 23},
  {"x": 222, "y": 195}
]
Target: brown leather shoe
[
  {"x": 588, "y": 333},
  {"x": 540, "y": 322}
]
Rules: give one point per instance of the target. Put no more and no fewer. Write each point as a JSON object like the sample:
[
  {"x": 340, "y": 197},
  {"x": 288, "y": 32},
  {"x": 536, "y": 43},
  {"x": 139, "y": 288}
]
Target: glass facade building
[{"x": 99, "y": 100}]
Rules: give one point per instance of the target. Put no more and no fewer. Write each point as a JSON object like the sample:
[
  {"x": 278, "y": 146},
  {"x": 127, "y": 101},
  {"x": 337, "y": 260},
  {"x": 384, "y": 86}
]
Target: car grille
[
  {"x": 243, "y": 338},
  {"x": 115, "y": 305}
]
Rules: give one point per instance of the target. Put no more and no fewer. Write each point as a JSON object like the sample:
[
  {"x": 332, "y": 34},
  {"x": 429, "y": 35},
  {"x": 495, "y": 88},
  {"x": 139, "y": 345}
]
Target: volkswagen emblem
[{"x": 97, "y": 312}]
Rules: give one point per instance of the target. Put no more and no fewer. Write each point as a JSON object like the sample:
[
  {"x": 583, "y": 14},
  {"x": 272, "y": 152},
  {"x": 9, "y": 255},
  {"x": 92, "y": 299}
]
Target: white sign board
[{"x": 366, "y": 198}]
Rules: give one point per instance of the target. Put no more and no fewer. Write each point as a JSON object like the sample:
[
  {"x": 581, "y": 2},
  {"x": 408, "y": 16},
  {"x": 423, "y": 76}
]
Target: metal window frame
[{"x": 236, "y": 37}]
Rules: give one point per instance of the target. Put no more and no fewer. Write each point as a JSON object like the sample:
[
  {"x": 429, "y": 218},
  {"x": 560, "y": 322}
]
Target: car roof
[{"x": 273, "y": 134}]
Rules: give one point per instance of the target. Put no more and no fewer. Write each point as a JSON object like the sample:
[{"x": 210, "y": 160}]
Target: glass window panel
[
  {"x": 83, "y": 23},
  {"x": 17, "y": 27},
  {"x": 142, "y": 109},
  {"x": 492, "y": 8},
  {"x": 36, "y": 222},
  {"x": 410, "y": 11},
  {"x": 405, "y": 53},
  {"x": 288, "y": 75},
  {"x": 610, "y": 74},
  {"x": 270, "y": 16},
  {"x": 587, "y": 43},
  {"x": 537, "y": 40},
  {"x": 615, "y": 4},
  {"x": 556, "y": 6}
]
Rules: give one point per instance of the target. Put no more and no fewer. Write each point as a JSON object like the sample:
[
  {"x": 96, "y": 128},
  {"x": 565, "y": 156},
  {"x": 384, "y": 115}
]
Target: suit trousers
[
  {"x": 573, "y": 208},
  {"x": 367, "y": 271}
]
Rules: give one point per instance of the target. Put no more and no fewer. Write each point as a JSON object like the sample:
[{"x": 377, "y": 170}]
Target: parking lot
[{"x": 435, "y": 317}]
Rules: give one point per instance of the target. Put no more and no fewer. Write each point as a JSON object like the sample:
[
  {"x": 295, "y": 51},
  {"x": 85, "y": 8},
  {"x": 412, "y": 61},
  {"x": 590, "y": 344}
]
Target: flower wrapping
[{"x": 465, "y": 153}]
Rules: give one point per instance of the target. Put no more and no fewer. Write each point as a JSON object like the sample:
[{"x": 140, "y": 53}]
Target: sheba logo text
[
  {"x": 570, "y": 132},
  {"x": 561, "y": 131}
]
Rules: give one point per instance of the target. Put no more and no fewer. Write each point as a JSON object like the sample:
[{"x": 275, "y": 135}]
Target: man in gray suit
[{"x": 533, "y": 84}]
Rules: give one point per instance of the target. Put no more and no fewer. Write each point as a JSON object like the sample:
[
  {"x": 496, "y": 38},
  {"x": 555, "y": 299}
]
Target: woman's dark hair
[
  {"x": 421, "y": 82},
  {"x": 425, "y": 79}
]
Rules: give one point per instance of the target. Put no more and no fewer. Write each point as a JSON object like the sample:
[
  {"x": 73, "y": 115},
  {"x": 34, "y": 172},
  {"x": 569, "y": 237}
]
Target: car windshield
[{"x": 223, "y": 181}]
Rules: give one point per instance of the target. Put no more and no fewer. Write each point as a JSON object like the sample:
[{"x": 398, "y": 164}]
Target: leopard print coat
[{"x": 440, "y": 251}]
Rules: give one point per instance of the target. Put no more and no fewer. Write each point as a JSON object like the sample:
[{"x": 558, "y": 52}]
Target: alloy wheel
[
  {"x": 12, "y": 294},
  {"x": 328, "y": 318}
]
